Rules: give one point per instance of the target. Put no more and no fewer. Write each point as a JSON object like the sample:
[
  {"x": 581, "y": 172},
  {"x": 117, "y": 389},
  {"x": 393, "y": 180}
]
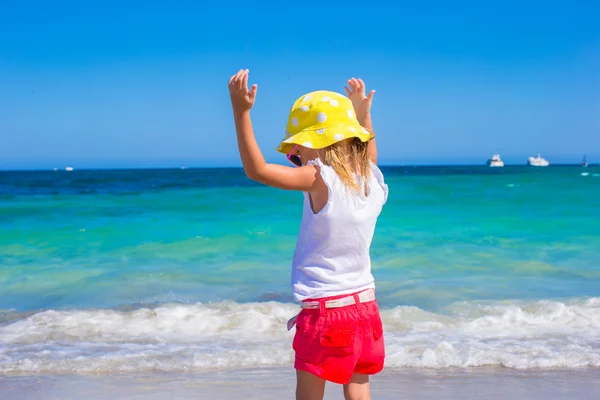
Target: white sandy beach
[{"x": 271, "y": 384}]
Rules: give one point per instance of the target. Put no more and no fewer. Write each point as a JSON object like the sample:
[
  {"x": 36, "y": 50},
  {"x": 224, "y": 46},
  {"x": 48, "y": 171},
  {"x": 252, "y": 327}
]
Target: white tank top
[{"x": 332, "y": 253}]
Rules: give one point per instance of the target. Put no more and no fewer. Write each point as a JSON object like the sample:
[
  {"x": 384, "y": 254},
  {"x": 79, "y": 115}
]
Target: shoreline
[{"x": 276, "y": 383}]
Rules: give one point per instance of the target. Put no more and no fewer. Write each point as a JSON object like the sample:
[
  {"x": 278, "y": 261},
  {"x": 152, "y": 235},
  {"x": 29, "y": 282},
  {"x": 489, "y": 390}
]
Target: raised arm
[
  {"x": 362, "y": 107},
  {"x": 305, "y": 178}
]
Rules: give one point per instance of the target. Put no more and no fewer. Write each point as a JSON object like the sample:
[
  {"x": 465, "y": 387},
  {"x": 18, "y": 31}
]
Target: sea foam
[{"x": 228, "y": 335}]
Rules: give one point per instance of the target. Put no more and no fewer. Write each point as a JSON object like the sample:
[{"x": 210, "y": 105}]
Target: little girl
[{"x": 339, "y": 335}]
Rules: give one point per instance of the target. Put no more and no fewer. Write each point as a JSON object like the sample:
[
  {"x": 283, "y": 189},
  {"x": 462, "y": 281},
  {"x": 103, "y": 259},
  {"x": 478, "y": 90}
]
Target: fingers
[
  {"x": 252, "y": 93},
  {"x": 356, "y": 85},
  {"x": 245, "y": 82},
  {"x": 348, "y": 91},
  {"x": 242, "y": 79},
  {"x": 233, "y": 77},
  {"x": 352, "y": 82},
  {"x": 361, "y": 84},
  {"x": 237, "y": 80},
  {"x": 370, "y": 95}
]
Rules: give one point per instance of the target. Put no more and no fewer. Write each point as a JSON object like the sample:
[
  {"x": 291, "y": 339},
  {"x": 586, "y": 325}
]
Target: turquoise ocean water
[{"x": 171, "y": 270}]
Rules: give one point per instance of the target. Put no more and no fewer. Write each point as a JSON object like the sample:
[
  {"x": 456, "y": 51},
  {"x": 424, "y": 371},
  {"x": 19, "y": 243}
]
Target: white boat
[
  {"x": 537, "y": 161},
  {"x": 495, "y": 161},
  {"x": 68, "y": 168}
]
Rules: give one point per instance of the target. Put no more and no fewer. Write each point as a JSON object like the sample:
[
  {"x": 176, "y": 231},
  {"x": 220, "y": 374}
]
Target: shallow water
[{"x": 176, "y": 270}]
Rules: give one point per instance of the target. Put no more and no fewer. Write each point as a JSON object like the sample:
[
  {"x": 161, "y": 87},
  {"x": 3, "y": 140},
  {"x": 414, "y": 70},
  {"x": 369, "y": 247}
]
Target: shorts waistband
[{"x": 362, "y": 297}]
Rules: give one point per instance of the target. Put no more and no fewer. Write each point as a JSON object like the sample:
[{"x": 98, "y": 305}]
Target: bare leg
[
  {"x": 358, "y": 388},
  {"x": 309, "y": 386}
]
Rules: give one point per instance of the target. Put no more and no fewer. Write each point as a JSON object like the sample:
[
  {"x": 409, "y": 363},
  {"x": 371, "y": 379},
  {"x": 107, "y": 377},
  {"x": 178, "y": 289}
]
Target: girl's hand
[
  {"x": 360, "y": 101},
  {"x": 242, "y": 100}
]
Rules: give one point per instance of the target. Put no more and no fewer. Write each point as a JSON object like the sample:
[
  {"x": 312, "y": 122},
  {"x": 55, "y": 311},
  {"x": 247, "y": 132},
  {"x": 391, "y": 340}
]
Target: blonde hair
[{"x": 347, "y": 158}]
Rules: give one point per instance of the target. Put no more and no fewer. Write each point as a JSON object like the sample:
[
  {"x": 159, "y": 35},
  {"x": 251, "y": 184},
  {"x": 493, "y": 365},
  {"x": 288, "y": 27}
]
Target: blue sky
[{"x": 144, "y": 84}]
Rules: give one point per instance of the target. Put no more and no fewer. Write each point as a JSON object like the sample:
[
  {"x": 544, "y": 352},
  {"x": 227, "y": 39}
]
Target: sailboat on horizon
[{"x": 584, "y": 162}]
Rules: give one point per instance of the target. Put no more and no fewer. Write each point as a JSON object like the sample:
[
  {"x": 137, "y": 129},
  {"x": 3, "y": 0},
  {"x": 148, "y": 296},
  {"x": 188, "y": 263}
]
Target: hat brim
[{"x": 324, "y": 137}]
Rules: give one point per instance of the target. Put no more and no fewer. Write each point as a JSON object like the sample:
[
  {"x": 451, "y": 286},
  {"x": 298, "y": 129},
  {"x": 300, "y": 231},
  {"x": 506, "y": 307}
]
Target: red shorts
[{"x": 334, "y": 343}]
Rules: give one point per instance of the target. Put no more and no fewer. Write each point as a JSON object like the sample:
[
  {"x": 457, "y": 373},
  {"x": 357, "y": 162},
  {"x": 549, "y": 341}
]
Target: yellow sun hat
[{"x": 320, "y": 119}]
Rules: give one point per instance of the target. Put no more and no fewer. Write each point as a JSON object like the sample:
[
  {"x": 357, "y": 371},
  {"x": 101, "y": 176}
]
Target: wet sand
[{"x": 267, "y": 384}]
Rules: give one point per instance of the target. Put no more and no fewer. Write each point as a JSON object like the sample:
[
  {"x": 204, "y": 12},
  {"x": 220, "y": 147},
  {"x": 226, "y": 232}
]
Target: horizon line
[{"x": 384, "y": 165}]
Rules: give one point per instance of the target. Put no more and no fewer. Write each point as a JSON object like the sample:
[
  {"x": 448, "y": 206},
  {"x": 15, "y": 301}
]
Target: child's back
[{"x": 332, "y": 251}]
